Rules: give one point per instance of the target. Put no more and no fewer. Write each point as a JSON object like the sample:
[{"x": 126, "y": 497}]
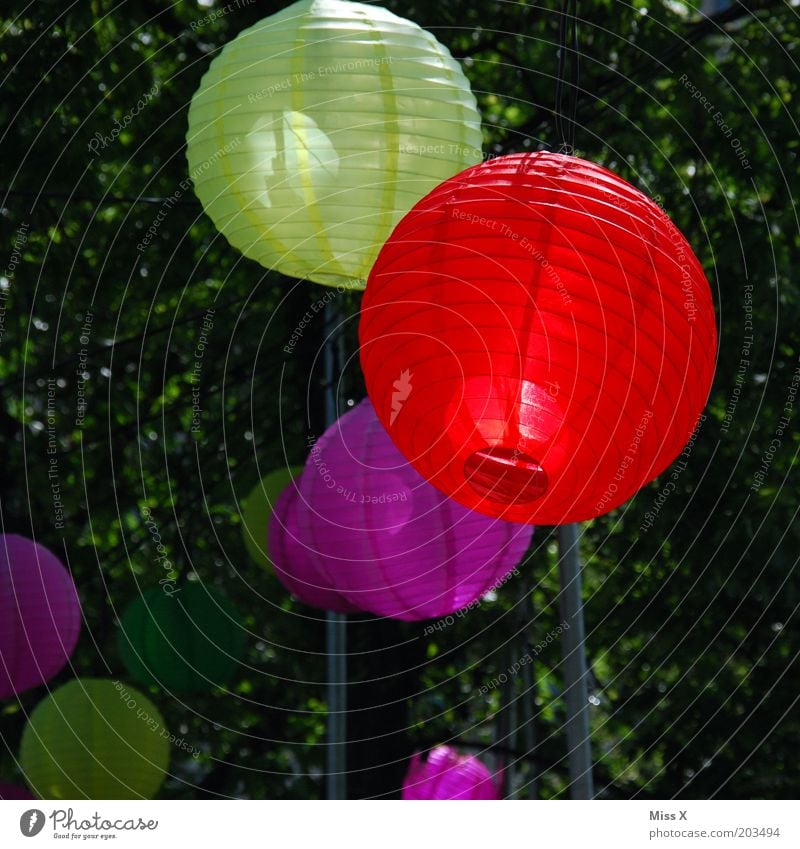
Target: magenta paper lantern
[
  {"x": 446, "y": 774},
  {"x": 384, "y": 538},
  {"x": 14, "y": 791},
  {"x": 298, "y": 568},
  {"x": 40, "y": 615}
]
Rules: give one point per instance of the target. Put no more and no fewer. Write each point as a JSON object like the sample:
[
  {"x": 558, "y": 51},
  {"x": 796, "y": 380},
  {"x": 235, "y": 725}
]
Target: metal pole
[
  {"x": 336, "y": 624},
  {"x": 335, "y": 634},
  {"x": 576, "y": 685},
  {"x": 502, "y": 729},
  {"x": 528, "y": 706},
  {"x": 529, "y": 730},
  {"x": 511, "y": 729}
]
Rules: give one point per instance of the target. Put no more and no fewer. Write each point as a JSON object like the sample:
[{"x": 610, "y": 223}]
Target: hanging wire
[
  {"x": 565, "y": 118},
  {"x": 557, "y": 117},
  {"x": 576, "y": 70}
]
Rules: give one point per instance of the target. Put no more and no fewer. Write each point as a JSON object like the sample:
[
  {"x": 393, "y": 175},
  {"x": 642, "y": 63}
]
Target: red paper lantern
[{"x": 538, "y": 338}]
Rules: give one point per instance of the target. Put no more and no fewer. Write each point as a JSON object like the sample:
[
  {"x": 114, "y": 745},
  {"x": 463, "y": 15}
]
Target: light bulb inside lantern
[{"x": 505, "y": 475}]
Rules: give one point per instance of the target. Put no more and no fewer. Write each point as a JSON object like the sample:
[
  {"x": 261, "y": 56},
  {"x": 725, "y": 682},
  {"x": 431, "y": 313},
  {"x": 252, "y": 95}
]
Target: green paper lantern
[
  {"x": 257, "y": 511},
  {"x": 315, "y": 131},
  {"x": 188, "y": 641},
  {"x": 95, "y": 739}
]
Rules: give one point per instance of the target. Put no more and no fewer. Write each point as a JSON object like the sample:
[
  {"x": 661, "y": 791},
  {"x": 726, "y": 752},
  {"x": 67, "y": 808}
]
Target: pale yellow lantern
[
  {"x": 316, "y": 130},
  {"x": 94, "y": 738}
]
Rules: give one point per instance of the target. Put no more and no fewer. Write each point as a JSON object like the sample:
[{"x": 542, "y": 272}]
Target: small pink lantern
[
  {"x": 446, "y": 774},
  {"x": 14, "y": 791},
  {"x": 40, "y": 615},
  {"x": 381, "y": 536}
]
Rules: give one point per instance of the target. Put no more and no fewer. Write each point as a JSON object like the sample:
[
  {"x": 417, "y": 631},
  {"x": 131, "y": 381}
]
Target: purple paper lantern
[
  {"x": 40, "y": 615},
  {"x": 447, "y": 775},
  {"x": 298, "y": 569},
  {"x": 384, "y": 538},
  {"x": 14, "y": 791}
]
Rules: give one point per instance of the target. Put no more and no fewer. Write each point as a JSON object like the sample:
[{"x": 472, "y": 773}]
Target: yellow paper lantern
[
  {"x": 95, "y": 738},
  {"x": 317, "y": 129}
]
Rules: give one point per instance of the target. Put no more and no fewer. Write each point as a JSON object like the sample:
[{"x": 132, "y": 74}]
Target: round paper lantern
[
  {"x": 315, "y": 130},
  {"x": 40, "y": 615},
  {"x": 257, "y": 511},
  {"x": 14, "y": 791},
  {"x": 95, "y": 739},
  {"x": 387, "y": 540},
  {"x": 297, "y": 566},
  {"x": 538, "y": 338},
  {"x": 445, "y": 774},
  {"x": 190, "y": 640}
]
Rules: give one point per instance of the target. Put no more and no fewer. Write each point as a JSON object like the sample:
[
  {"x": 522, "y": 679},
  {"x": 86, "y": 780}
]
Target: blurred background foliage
[{"x": 692, "y": 626}]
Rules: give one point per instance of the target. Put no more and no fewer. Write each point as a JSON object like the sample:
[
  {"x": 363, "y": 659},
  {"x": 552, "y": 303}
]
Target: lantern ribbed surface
[
  {"x": 95, "y": 739},
  {"x": 297, "y": 566},
  {"x": 384, "y": 538},
  {"x": 191, "y": 640},
  {"x": 445, "y": 774},
  {"x": 556, "y": 333},
  {"x": 257, "y": 511},
  {"x": 40, "y": 615},
  {"x": 314, "y": 131}
]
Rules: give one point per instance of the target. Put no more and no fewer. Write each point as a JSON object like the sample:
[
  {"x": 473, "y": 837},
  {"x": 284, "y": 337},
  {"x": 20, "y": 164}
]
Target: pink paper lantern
[
  {"x": 298, "y": 569},
  {"x": 40, "y": 615},
  {"x": 447, "y": 775},
  {"x": 382, "y": 537},
  {"x": 14, "y": 791}
]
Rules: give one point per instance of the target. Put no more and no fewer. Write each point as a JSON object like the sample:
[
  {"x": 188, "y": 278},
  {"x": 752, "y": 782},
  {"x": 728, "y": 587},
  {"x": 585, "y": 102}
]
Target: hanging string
[{"x": 565, "y": 117}]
